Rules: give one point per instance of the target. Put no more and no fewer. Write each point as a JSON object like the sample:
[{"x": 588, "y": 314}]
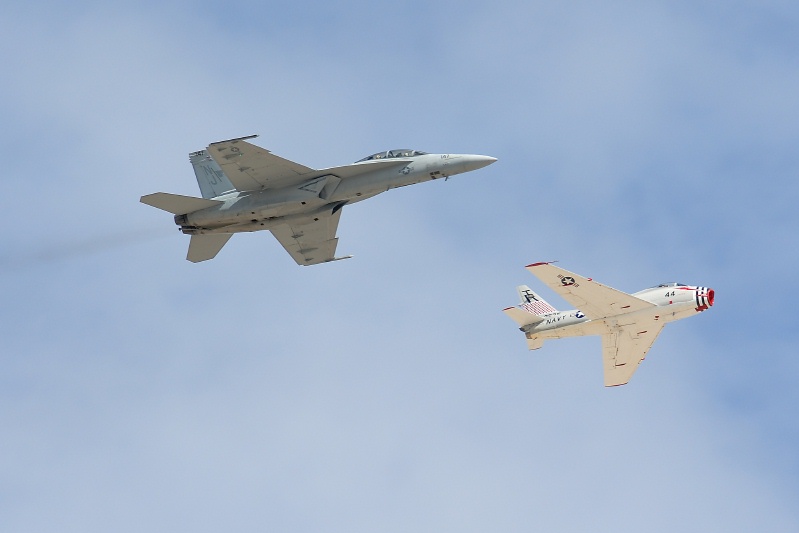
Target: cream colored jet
[{"x": 628, "y": 323}]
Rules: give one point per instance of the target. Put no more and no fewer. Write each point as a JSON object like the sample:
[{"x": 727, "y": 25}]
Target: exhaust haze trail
[{"x": 71, "y": 249}]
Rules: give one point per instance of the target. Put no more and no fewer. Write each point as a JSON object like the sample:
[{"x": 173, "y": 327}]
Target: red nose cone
[{"x": 711, "y": 295}]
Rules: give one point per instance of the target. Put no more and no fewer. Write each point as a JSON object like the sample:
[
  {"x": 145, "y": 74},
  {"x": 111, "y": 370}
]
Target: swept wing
[
  {"x": 311, "y": 240},
  {"x": 624, "y": 347},
  {"x": 250, "y": 167},
  {"x": 597, "y": 301}
]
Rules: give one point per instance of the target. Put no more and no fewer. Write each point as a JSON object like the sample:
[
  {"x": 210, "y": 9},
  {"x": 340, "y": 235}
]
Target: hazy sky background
[{"x": 638, "y": 143}]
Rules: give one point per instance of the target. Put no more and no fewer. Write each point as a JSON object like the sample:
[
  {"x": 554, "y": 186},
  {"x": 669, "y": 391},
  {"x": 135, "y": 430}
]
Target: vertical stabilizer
[
  {"x": 532, "y": 302},
  {"x": 530, "y": 310},
  {"x": 210, "y": 178}
]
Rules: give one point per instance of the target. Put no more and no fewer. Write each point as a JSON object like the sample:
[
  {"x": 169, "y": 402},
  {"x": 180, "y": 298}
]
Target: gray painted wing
[
  {"x": 251, "y": 167},
  {"x": 625, "y": 347},
  {"x": 592, "y": 298},
  {"x": 311, "y": 241}
]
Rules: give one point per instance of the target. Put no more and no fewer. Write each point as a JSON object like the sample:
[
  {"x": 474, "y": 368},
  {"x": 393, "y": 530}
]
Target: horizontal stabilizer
[
  {"x": 205, "y": 247},
  {"x": 534, "y": 343},
  {"x": 522, "y": 317},
  {"x": 176, "y": 203}
]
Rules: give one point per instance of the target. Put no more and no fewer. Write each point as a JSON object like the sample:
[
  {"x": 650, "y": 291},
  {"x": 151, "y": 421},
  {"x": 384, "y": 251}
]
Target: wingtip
[
  {"x": 338, "y": 258},
  {"x": 236, "y": 139},
  {"x": 539, "y": 264}
]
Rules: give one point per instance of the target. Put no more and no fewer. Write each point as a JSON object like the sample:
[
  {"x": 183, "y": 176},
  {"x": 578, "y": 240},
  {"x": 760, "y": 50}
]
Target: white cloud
[{"x": 388, "y": 391}]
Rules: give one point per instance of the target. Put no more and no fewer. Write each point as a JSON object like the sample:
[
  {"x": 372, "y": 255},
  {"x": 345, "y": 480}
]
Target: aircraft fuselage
[
  {"x": 672, "y": 303},
  {"x": 326, "y": 191}
]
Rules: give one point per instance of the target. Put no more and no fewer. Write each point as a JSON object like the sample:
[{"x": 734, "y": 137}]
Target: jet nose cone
[
  {"x": 483, "y": 160},
  {"x": 473, "y": 162}
]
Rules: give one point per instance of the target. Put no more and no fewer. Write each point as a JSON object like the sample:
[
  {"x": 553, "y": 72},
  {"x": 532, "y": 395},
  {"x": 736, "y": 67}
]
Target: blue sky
[{"x": 637, "y": 143}]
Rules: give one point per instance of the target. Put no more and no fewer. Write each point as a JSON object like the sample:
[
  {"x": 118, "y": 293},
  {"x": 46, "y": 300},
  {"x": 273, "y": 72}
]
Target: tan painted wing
[
  {"x": 311, "y": 241},
  {"x": 594, "y": 299},
  {"x": 624, "y": 347},
  {"x": 250, "y": 167}
]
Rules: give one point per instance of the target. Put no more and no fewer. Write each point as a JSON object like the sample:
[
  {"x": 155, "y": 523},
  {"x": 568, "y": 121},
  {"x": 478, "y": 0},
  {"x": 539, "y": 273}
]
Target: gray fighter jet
[{"x": 247, "y": 188}]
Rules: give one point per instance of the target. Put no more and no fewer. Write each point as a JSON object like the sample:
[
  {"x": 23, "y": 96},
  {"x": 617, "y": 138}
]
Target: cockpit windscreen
[{"x": 393, "y": 154}]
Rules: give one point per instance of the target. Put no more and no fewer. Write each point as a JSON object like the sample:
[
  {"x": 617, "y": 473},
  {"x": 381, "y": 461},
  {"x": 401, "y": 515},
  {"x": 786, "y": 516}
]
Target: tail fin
[
  {"x": 210, "y": 178},
  {"x": 531, "y": 310},
  {"x": 532, "y": 302}
]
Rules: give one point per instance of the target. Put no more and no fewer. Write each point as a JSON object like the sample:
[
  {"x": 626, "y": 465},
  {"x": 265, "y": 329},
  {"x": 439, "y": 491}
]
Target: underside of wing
[
  {"x": 312, "y": 240},
  {"x": 592, "y": 298},
  {"x": 250, "y": 167},
  {"x": 624, "y": 347}
]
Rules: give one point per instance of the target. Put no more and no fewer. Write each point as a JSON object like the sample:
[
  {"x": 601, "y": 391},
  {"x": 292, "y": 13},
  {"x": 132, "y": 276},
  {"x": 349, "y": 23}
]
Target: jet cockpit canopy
[
  {"x": 663, "y": 286},
  {"x": 390, "y": 154},
  {"x": 671, "y": 284}
]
